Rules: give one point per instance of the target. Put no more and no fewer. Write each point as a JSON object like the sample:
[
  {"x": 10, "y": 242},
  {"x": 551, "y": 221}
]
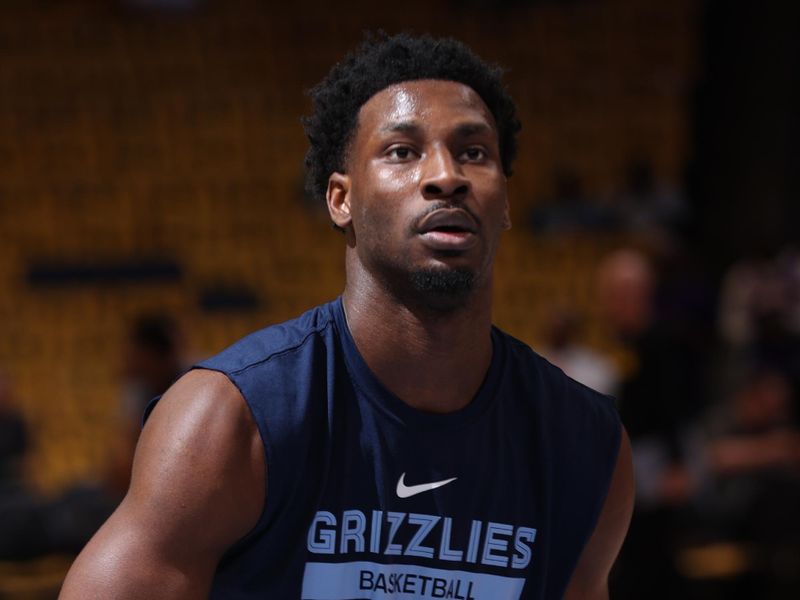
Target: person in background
[
  {"x": 21, "y": 533},
  {"x": 151, "y": 362},
  {"x": 563, "y": 347},
  {"x": 661, "y": 399}
]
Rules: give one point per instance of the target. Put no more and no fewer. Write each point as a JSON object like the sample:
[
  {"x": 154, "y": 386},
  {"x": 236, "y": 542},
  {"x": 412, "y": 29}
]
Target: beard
[
  {"x": 438, "y": 290},
  {"x": 445, "y": 282}
]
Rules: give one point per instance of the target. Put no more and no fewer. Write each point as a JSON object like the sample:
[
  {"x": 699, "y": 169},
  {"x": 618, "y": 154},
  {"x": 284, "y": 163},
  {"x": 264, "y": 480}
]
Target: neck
[{"x": 433, "y": 358}]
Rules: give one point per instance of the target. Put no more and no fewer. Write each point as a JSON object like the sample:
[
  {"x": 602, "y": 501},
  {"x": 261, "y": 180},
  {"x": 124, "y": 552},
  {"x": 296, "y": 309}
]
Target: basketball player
[{"x": 391, "y": 443}]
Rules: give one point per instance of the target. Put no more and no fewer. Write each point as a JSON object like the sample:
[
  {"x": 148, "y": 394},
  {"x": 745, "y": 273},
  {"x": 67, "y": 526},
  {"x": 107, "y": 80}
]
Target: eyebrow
[
  {"x": 468, "y": 129},
  {"x": 400, "y": 127}
]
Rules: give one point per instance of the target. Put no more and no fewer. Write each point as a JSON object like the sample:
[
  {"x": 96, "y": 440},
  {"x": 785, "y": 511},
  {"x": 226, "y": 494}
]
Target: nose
[{"x": 443, "y": 176}]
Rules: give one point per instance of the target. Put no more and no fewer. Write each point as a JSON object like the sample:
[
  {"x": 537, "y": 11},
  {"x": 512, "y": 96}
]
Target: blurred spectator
[
  {"x": 712, "y": 487},
  {"x": 757, "y": 287},
  {"x": 760, "y": 314},
  {"x": 570, "y": 210},
  {"x": 661, "y": 396},
  {"x": 562, "y": 347},
  {"x": 663, "y": 390},
  {"x": 20, "y": 527},
  {"x": 152, "y": 361},
  {"x": 752, "y": 500},
  {"x": 755, "y": 445},
  {"x": 32, "y": 525}
]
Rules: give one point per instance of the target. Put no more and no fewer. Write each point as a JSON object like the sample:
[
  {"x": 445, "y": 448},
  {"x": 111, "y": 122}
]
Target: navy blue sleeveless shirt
[{"x": 370, "y": 498}]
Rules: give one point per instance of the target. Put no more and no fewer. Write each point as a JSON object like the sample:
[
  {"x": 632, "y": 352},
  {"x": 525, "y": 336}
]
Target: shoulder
[
  {"x": 199, "y": 457},
  {"x": 580, "y": 428},
  {"x": 551, "y": 388},
  {"x": 589, "y": 465},
  {"x": 281, "y": 371},
  {"x": 198, "y": 486},
  {"x": 270, "y": 343}
]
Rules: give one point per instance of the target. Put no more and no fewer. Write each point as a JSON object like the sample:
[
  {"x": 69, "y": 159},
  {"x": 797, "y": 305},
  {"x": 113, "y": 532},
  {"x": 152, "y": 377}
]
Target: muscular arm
[
  {"x": 197, "y": 486},
  {"x": 590, "y": 579}
]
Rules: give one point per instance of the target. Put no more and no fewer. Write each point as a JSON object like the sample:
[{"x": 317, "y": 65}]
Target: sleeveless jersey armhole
[{"x": 263, "y": 434}]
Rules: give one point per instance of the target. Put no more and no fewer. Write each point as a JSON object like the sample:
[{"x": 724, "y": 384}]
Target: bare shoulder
[
  {"x": 590, "y": 579},
  {"x": 198, "y": 485},
  {"x": 200, "y": 455}
]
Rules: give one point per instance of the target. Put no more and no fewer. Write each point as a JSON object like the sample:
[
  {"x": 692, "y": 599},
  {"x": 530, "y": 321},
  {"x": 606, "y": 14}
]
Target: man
[{"x": 390, "y": 444}]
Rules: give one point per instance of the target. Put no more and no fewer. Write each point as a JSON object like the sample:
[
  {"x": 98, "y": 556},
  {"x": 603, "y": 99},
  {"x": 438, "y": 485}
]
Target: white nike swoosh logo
[{"x": 406, "y": 491}]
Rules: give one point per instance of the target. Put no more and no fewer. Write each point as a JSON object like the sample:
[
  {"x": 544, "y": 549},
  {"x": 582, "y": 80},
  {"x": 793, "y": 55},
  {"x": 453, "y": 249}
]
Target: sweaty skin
[
  {"x": 197, "y": 486},
  {"x": 423, "y": 191},
  {"x": 421, "y": 145}
]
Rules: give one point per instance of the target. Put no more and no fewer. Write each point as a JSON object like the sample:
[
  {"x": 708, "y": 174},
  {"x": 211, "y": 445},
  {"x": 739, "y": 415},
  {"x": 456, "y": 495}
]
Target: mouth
[
  {"x": 449, "y": 229},
  {"x": 448, "y": 220}
]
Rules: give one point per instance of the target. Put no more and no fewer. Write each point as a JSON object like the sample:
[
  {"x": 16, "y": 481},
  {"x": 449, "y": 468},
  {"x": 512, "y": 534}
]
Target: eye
[
  {"x": 400, "y": 153},
  {"x": 474, "y": 154}
]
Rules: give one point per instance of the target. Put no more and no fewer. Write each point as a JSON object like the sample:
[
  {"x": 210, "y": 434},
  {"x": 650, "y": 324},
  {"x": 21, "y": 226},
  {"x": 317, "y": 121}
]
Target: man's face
[{"x": 424, "y": 197}]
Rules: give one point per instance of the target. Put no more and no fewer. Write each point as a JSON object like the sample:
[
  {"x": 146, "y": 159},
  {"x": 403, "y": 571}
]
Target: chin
[
  {"x": 443, "y": 281},
  {"x": 442, "y": 289}
]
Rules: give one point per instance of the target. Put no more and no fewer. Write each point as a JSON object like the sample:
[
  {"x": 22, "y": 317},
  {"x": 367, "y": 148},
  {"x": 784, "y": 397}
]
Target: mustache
[{"x": 438, "y": 205}]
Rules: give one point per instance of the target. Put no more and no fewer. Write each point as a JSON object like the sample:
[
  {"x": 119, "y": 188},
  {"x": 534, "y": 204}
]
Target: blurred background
[{"x": 152, "y": 212}]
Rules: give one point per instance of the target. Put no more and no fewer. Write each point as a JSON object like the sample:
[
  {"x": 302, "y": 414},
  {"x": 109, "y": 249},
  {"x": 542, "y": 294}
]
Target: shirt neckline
[{"x": 404, "y": 414}]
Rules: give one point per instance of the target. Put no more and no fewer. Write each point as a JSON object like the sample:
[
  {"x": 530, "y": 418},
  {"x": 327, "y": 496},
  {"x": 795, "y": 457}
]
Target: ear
[
  {"x": 338, "y": 198},
  {"x": 506, "y": 222}
]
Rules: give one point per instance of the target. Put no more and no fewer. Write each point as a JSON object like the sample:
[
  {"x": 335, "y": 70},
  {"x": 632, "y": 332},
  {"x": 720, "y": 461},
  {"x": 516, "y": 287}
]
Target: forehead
[{"x": 427, "y": 102}]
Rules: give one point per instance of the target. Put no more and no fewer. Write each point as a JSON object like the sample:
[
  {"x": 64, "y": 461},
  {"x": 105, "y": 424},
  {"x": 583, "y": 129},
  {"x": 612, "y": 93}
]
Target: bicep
[
  {"x": 197, "y": 486},
  {"x": 125, "y": 560},
  {"x": 590, "y": 579}
]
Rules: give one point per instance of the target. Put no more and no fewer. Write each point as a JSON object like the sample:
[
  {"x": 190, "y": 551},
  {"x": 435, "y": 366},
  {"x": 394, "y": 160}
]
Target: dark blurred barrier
[{"x": 44, "y": 274}]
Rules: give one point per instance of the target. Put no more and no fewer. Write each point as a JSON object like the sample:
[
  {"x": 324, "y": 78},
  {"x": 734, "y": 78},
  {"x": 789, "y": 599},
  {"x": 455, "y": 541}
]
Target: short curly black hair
[{"x": 384, "y": 60}]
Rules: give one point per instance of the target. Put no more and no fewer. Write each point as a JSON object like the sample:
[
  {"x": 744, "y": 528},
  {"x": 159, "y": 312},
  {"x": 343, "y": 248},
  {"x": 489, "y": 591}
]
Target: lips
[
  {"x": 448, "y": 219},
  {"x": 450, "y": 229}
]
